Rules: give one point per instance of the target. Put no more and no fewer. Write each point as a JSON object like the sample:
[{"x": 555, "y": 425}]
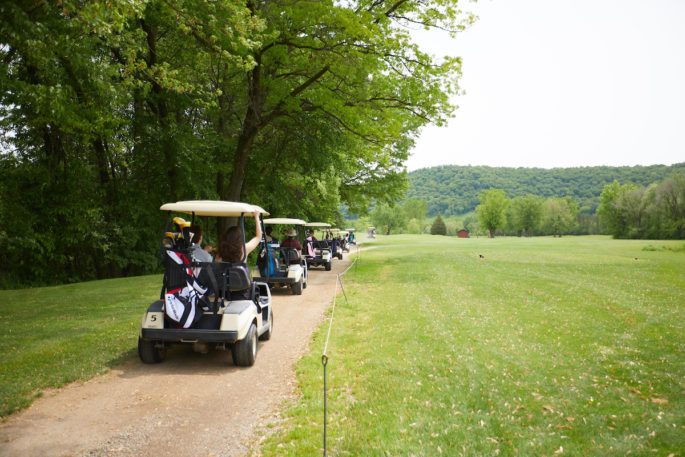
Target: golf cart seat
[{"x": 290, "y": 256}]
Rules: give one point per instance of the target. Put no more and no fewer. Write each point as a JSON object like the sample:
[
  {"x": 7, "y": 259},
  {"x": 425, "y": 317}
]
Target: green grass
[
  {"x": 570, "y": 346},
  {"x": 55, "y": 335}
]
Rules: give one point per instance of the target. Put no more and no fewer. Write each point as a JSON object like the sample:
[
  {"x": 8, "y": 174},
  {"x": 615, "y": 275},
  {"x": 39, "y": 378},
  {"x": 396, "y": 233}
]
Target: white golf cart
[
  {"x": 371, "y": 232},
  {"x": 352, "y": 238},
  {"x": 318, "y": 252},
  {"x": 281, "y": 266},
  {"x": 345, "y": 240},
  {"x": 335, "y": 242},
  {"x": 205, "y": 303}
]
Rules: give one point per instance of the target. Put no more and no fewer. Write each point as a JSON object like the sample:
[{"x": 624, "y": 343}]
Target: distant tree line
[
  {"x": 626, "y": 211},
  {"x": 454, "y": 190},
  {"x": 110, "y": 108}
]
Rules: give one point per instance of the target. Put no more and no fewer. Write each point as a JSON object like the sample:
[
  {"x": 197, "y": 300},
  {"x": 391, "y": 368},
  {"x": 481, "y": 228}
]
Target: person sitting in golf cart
[
  {"x": 231, "y": 249},
  {"x": 199, "y": 254},
  {"x": 291, "y": 241}
]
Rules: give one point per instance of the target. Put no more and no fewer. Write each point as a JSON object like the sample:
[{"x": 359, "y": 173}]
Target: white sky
[{"x": 564, "y": 83}]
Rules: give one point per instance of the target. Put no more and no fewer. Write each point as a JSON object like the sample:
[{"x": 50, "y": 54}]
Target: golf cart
[
  {"x": 282, "y": 266},
  {"x": 318, "y": 252},
  {"x": 335, "y": 242},
  {"x": 205, "y": 303},
  {"x": 353, "y": 238},
  {"x": 344, "y": 240},
  {"x": 371, "y": 232}
]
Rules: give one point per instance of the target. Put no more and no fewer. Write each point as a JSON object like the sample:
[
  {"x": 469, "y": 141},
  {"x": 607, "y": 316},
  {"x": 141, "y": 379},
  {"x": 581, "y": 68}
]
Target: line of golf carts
[{"x": 220, "y": 304}]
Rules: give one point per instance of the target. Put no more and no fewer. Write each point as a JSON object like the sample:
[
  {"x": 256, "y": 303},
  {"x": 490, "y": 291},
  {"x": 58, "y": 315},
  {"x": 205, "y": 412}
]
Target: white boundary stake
[{"x": 324, "y": 356}]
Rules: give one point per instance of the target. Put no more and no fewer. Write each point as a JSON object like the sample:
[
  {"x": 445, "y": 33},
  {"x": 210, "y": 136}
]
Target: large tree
[
  {"x": 492, "y": 209},
  {"x": 526, "y": 213}
]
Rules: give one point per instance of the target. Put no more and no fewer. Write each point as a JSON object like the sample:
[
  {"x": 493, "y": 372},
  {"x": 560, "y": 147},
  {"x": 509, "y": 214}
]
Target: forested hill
[{"x": 453, "y": 189}]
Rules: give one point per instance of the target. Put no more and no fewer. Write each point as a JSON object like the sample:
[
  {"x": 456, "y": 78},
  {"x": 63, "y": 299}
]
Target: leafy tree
[
  {"x": 389, "y": 217},
  {"x": 559, "y": 215},
  {"x": 492, "y": 209},
  {"x": 670, "y": 203},
  {"x": 416, "y": 210},
  {"x": 438, "y": 227},
  {"x": 526, "y": 213},
  {"x": 609, "y": 209}
]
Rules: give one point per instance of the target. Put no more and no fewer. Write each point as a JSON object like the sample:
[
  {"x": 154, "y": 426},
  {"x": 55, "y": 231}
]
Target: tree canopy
[{"x": 111, "y": 108}]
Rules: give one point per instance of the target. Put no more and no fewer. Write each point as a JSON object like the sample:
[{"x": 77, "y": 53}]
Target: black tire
[
  {"x": 266, "y": 336},
  {"x": 328, "y": 266},
  {"x": 245, "y": 351},
  {"x": 340, "y": 256},
  {"x": 148, "y": 353},
  {"x": 297, "y": 287}
]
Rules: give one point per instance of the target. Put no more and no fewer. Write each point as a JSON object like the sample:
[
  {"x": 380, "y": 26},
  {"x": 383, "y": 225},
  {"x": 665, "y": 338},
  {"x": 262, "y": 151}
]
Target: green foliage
[
  {"x": 438, "y": 227},
  {"x": 299, "y": 107},
  {"x": 492, "y": 209},
  {"x": 452, "y": 190},
  {"x": 559, "y": 215},
  {"x": 389, "y": 218},
  {"x": 657, "y": 211},
  {"x": 543, "y": 344},
  {"x": 525, "y": 213}
]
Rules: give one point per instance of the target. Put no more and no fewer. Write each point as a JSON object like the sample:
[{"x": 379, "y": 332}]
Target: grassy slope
[
  {"x": 55, "y": 335},
  {"x": 543, "y": 346}
]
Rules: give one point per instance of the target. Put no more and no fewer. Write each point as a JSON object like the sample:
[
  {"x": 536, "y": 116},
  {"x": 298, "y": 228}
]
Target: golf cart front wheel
[
  {"x": 245, "y": 351},
  {"x": 148, "y": 353},
  {"x": 328, "y": 266},
  {"x": 267, "y": 335}
]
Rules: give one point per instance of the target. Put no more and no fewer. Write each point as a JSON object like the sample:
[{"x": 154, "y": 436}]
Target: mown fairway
[
  {"x": 570, "y": 346},
  {"x": 51, "y": 336}
]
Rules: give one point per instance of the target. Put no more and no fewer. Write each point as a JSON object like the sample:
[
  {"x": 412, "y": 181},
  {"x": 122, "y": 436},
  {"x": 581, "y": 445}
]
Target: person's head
[
  {"x": 292, "y": 233},
  {"x": 311, "y": 232},
  {"x": 231, "y": 245},
  {"x": 196, "y": 230},
  {"x": 269, "y": 230}
]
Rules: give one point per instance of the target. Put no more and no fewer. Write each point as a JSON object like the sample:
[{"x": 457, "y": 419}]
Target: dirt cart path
[{"x": 189, "y": 405}]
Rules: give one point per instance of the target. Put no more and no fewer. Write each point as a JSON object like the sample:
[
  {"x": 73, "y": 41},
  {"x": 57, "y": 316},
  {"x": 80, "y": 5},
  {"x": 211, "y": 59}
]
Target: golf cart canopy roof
[
  {"x": 317, "y": 224},
  {"x": 284, "y": 221},
  {"x": 212, "y": 208},
  {"x": 335, "y": 230},
  {"x": 344, "y": 232},
  {"x": 372, "y": 228},
  {"x": 351, "y": 229}
]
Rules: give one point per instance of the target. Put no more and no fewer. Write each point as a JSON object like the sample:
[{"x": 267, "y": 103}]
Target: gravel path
[{"x": 189, "y": 405}]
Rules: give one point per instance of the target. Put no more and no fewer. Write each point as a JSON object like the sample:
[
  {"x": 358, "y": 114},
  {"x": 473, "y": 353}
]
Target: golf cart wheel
[
  {"x": 328, "y": 266},
  {"x": 266, "y": 336},
  {"x": 245, "y": 351},
  {"x": 297, "y": 287},
  {"x": 148, "y": 353},
  {"x": 340, "y": 256}
]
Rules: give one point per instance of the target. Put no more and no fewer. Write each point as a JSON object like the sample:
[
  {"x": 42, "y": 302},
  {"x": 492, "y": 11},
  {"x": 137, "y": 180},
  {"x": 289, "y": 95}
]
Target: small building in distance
[{"x": 463, "y": 233}]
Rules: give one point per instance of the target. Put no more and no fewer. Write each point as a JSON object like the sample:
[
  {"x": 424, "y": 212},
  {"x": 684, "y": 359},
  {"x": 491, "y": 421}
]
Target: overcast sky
[{"x": 564, "y": 83}]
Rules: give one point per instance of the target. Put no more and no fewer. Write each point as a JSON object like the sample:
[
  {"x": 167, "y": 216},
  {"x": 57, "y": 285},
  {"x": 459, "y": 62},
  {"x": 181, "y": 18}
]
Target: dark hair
[
  {"x": 231, "y": 245},
  {"x": 268, "y": 230},
  {"x": 197, "y": 233}
]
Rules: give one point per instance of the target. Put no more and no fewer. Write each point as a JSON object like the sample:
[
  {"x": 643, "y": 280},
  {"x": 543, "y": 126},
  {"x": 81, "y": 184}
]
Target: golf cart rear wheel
[
  {"x": 245, "y": 351},
  {"x": 148, "y": 353},
  {"x": 328, "y": 266},
  {"x": 297, "y": 287}
]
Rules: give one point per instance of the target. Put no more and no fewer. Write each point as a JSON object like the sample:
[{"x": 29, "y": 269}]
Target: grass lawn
[
  {"x": 55, "y": 335},
  {"x": 543, "y": 346}
]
